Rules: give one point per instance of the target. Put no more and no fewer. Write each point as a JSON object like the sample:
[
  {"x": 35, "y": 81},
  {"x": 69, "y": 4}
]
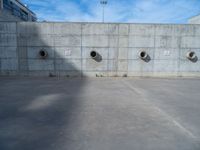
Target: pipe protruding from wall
[
  {"x": 43, "y": 53},
  {"x": 96, "y": 56},
  {"x": 143, "y": 55},
  {"x": 191, "y": 55}
]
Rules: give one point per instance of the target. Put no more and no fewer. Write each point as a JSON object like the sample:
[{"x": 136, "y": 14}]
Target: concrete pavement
[{"x": 99, "y": 114}]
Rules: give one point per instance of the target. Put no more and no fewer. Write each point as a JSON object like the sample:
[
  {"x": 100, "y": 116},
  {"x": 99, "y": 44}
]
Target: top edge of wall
[{"x": 100, "y": 23}]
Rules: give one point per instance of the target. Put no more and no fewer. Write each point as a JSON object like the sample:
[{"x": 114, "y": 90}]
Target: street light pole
[{"x": 103, "y": 3}]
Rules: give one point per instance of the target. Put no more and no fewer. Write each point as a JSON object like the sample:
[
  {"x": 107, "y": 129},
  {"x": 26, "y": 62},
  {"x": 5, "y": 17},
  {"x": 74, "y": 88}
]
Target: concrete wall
[{"x": 69, "y": 46}]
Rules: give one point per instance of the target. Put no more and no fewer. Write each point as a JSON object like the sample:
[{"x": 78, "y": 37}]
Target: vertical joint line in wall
[
  {"x": 108, "y": 50},
  {"x": 57, "y": 73},
  {"x": 154, "y": 50},
  {"x": 128, "y": 49},
  {"x": 179, "y": 55},
  {"x": 117, "y": 58},
  {"x": 81, "y": 50},
  {"x": 17, "y": 49},
  {"x": 27, "y": 59},
  {"x": 0, "y": 64}
]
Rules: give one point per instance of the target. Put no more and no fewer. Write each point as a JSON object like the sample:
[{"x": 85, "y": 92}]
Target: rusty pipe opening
[
  {"x": 143, "y": 55},
  {"x": 191, "y": 55},
  {"x": 43, "y": 53}
]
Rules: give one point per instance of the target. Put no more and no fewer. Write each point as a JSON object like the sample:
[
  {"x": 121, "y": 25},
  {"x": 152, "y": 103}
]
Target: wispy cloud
[{"x": 142, "y": 11}]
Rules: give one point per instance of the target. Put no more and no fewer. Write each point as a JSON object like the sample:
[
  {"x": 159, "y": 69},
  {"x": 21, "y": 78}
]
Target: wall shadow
[{"x": 40, "y": 113}]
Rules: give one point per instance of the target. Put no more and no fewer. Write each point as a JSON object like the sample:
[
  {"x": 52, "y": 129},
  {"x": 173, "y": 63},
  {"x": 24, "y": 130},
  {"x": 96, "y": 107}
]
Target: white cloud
[{"x": 146, "y": 11}]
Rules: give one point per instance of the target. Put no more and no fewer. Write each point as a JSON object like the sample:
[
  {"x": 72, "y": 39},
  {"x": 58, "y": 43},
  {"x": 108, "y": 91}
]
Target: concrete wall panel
[
  {"x": 123, "y": 29},
  {"x": 142, "y": 29},
  {"x": 189, "y": 66},
  {"x": 69, "y": 46},
  {"x": 113, "y": 41},
  {"x": 103, "y": 52},
  {"x": 67, "y": 29},
  {"x": 40, "y": 65},
  {"x": 167, "y": 42},
  {"x": 133, "y": 53},
  {"x": 22, "y": 52},
  {"x": 166, "y": 54},
  {"x": 92, "y": 65},
  {"x": 141, "y": 41},
  {"x": 68, "y": 40},
  {"x": 95, "y": 29},
  {"x": 39, "y": 40},
  {"x": 122, "y": 65},
  {"x": 185, "y": 30},
  {"x": 183, "y": 53},
  {"x": 95, "y": 41},
  {"x": 123, "y": 53},
  {"x": 40, "y": 73},
  {"x": 9, "y": 64},
  {"x": 112, "y": 53},
  {"x": 164, "y": 30},
  {"x": 35, "y": 28},
  {"x": 140, "y": 66},
  {"x": 8, "y": 52},
  {"x": 68, "y": 52},
  {"x": 95, "y": 73},
  {"x": 165, "y": 66},
  {"x": 123, "y": 41},
  {"x": 113, "y": 29},
  {"x": 8, "y": 40},
  {"x": 190, "y": 42},
  {"x": 112, "y": 65},
  {"x": 7, "y": 27},
  {"x": 68, "y": 64},
  {"x": 33, "y": 52},
  {"x": 23, "y": 66}
]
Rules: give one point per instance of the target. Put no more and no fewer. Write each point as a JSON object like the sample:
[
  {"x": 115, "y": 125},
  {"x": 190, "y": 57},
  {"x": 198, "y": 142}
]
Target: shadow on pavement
[{"x": 39, "y": 113}]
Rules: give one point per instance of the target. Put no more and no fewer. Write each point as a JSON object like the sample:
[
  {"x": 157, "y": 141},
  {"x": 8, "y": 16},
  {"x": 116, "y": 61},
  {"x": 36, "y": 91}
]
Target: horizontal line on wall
[
  {"x": 86, "y": 58},
  {"x": 151, "y": 48},
  {"x": 117, "y": 35},
  {"x": 12, "y": 33}
]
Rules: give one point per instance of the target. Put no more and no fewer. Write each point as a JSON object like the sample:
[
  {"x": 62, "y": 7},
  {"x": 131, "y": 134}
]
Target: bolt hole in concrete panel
[{"x": 43, "y": 54}]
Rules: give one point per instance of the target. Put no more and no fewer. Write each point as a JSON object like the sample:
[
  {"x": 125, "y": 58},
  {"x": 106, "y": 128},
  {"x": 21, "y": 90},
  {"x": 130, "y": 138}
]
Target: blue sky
[{"x": 139, "y": 11}]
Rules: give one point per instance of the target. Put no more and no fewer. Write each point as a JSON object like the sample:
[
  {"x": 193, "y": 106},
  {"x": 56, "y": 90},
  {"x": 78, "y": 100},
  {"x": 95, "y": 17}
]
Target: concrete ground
[{"x": 99, "y": 114}]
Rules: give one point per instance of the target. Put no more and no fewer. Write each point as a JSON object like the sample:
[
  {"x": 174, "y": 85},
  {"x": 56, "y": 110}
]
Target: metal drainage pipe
[
  {"x": 143, "y": 55},
  {"x": 191, "y": 55},
  {"x": 43, "y": 54}
]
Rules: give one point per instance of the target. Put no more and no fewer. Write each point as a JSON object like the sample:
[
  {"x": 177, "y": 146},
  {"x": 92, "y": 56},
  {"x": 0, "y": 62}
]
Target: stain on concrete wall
[{"x": 119, "y": 46}]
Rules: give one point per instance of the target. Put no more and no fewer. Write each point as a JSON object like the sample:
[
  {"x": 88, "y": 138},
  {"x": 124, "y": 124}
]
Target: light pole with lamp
[{"x": 103, "y": 3}]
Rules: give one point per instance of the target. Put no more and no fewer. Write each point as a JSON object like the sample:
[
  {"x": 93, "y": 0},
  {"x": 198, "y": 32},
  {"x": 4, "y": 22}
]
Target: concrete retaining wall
[{"x": 69, "y": 46}]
